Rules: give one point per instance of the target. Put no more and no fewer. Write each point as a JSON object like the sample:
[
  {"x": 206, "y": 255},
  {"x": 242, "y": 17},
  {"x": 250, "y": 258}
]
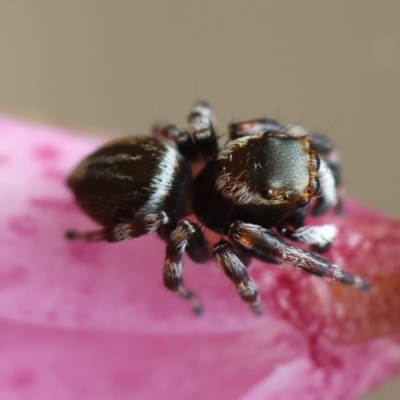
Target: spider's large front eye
[{"x": 267, "y": 194}]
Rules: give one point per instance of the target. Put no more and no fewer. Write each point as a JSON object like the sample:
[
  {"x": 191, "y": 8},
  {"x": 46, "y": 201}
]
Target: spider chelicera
[{"x": 254, "y": 192}]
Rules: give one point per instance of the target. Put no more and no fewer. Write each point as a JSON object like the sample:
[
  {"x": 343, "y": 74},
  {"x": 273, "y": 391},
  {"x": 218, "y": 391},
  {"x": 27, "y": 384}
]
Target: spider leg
[
  {"x": 182, "y": 138},
  {"x": 264, "y": 244},
  {"x": 236, "y": 271},
  {"x": 331, "y": 193},
  {"x": 340, "y": 188},
  {"x": 253, "y": 127},
  {"x": 198, "y": 248},
  {"x": 177, "y": 243},
  {"x": 243, "y": 255},
  {"x": 201, "y": 121},
  {"x": 328, "y": 154},
  {"x": 320, "y": 238},
  {"x": 123, "y": 231},
  {"x": 200, "y": 140}
]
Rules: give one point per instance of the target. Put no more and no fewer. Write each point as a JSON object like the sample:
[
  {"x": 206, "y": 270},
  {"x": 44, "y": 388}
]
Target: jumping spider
[{"x": 253, "y": 191}]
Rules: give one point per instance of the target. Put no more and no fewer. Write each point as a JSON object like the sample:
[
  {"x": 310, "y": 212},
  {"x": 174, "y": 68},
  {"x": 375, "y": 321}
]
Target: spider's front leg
[
  {"x": 186, "y": 236},
  {"x": 236, "y": 271},
  {"x": 265, "y": 245}
]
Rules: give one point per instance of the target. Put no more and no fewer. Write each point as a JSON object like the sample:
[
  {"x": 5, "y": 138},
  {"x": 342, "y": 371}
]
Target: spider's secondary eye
[{"x": 267, "y": 194}]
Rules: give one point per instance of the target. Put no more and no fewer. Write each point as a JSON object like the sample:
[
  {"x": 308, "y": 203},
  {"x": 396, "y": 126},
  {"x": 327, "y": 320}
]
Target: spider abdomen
[{"x": 131, "y": 178}]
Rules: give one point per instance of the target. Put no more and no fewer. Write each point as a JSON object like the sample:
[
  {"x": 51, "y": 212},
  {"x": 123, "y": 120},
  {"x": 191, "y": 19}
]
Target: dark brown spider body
[
  {"x": 132, "y": 180},
  {"x": 253, "y": 192}
]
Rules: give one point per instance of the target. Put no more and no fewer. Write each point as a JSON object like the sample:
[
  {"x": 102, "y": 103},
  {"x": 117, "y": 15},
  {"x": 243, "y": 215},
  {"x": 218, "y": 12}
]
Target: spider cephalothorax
[
  {"x": 269, "y": 169},
  {"x": 253, "y": 192}
]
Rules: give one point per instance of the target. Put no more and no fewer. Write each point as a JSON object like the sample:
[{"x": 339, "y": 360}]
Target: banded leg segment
[
  {"x": 198, "y": 248},
  {"x": 122, "y": 231},
  {"x": 201, "y": 121},
  {"x": 236, "y": 271},
  {"x": 253, "y": 127},
  {"x": 331, "y": 195},
  {"x": 265, "y": 245},
  {"x": 177, "y": 243},
  {"x": 182, "y": 138},
  {"x": 329, "y": 155},
  {"x": 200, "y": 140}
]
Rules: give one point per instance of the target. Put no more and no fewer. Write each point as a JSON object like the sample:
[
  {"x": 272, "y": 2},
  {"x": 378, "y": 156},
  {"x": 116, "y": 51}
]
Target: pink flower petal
[{"x": 93, "y": 321}]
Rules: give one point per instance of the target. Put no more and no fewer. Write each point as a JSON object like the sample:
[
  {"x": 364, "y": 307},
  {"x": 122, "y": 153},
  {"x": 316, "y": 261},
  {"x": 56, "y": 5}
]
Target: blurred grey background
[{"x": 123, "y": 65}]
